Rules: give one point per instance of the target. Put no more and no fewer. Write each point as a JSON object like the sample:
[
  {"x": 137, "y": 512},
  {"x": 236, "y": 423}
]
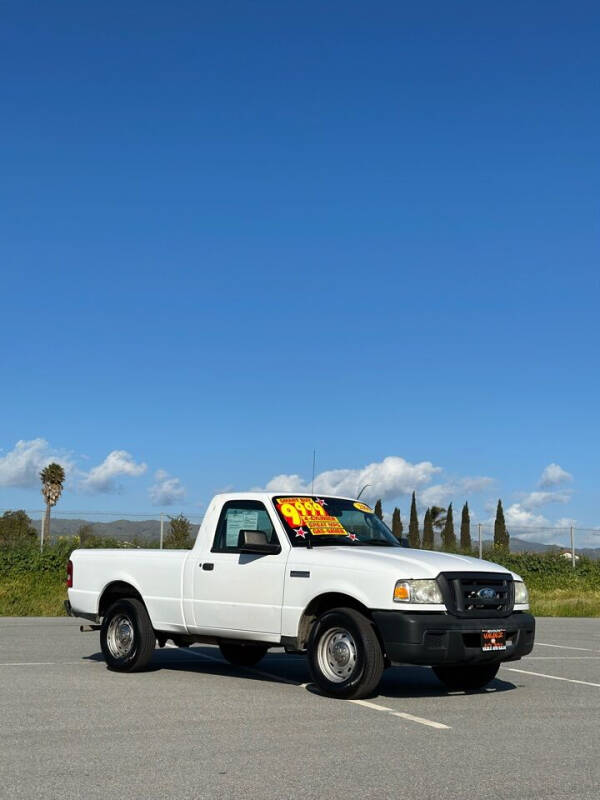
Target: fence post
[
  {"x": 480, "y": 542},
  {"x": 162, "y": 529},
  {"x": 42, "y": 531},
  {"x": 572, "y": 547}
]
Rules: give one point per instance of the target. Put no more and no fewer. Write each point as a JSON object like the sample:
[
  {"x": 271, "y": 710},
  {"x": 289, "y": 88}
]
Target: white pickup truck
[{"x": 320, "y": 575}]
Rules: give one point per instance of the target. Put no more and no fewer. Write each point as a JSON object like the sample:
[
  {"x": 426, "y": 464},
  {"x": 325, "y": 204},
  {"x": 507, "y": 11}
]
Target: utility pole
[
  {"x": 572, "y": 547},
  {"x": 480, "y": 542},
  {"x": 162, "y": 529}
]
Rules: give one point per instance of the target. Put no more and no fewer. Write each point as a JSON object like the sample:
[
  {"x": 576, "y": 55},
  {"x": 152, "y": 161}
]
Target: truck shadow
[{"x": 277, "y": 667}]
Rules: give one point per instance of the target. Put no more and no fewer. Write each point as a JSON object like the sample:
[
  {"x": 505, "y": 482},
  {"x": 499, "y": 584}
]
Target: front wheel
[
  {"x": 242, "y": 655},
  {"x": 344, "y": 654},
  {"x": 127, "y": 638},
  {"x": 459, "y": 678}
]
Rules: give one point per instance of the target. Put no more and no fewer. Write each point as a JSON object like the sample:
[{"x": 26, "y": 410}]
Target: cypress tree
[
  {"x": 378, "y": 510},
  {"x": 427, "y": 531},
  {"x": 413, "y": 526},
  {"x": 465, "y": 529},
  {"x": 397, "y": 526},
  {"x": 448, "y": 535},
  {"x": 501, "y": 537}
]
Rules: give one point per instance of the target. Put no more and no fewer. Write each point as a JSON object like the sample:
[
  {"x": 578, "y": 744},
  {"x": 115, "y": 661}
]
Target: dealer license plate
[{"x": 493, "y": 640}]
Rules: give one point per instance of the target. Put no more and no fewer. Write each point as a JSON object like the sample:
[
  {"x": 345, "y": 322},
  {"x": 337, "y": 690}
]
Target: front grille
[{"x": 465, "y": 593}]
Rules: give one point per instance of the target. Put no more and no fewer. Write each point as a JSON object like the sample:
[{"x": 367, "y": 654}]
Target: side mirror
[
  {"x": 257, "y": 542},
  {"x": 404, "y": 541}
]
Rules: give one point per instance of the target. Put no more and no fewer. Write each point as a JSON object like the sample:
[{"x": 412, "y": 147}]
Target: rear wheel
[
  {"x": 344, "y": 654},
  {"x": 243, "y": 655},
  {"x": 459, "y": 678},
  {"x": 127, "y": 638}
]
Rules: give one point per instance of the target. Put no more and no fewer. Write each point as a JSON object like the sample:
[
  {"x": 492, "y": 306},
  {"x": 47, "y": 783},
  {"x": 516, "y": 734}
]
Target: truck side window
[{"x": 241, "y": 515}]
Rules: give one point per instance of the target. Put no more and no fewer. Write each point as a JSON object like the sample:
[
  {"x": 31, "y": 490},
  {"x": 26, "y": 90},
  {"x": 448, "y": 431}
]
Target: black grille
[{"x": 465, "y": 593}]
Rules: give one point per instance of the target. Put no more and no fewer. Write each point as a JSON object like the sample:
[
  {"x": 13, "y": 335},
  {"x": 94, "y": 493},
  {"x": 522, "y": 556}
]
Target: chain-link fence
[
  {"x": 572, "y": 542},
  {"x": 112, "y": 528},
  {"x": 152, "y": 530}
]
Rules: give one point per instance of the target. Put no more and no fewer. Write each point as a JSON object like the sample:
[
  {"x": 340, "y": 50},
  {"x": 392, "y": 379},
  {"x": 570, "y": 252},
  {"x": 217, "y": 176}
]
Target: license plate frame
[{"x": 493, "y": 640}]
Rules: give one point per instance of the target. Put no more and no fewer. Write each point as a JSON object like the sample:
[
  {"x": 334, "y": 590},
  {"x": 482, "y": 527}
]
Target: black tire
[
  {"x": 360, "y": 654},
  {"x": 463, "y": 678},
  {"x": 132, "y": 649},
  {"x": 243, "y": 655}
]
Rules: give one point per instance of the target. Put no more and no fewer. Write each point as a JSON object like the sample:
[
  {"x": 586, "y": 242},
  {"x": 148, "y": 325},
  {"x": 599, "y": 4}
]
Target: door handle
[{"x": 208, "y": 566}]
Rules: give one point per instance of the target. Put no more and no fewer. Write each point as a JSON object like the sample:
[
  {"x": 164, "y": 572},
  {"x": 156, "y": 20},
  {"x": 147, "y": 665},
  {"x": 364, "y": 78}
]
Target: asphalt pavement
[{"x": 195, "y": 727}]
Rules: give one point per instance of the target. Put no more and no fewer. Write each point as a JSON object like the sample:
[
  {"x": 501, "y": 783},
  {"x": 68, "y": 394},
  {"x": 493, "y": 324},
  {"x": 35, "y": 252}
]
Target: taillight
[{"x": 70, "y": 575}]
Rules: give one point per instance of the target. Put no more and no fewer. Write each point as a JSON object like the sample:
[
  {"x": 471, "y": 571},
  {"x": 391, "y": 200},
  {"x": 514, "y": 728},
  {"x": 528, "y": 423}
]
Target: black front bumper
[{"x": 431, "y": 639}]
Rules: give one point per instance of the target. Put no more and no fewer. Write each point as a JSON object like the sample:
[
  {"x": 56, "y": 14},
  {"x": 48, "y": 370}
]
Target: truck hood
[{"x": 402, "y": 562}]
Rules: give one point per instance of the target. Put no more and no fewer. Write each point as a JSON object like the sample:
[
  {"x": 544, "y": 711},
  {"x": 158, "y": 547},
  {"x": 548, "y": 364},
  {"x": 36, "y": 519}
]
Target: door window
[{"x": 241, "y": 515}]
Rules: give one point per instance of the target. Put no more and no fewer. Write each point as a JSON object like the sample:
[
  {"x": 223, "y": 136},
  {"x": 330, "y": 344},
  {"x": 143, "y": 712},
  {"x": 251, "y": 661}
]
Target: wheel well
[
  {"x": 115, "y": 591},
  {"x": 319, "y": 605}
]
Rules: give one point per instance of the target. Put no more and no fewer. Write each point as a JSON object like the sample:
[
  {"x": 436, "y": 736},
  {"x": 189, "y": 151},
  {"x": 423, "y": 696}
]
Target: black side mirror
[
  {"x": 257, "y": 542},
  {"x": 404, "y": 541}
]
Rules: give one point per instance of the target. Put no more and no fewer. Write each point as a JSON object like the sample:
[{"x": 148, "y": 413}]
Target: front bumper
[{"x": 432, "y": 639}]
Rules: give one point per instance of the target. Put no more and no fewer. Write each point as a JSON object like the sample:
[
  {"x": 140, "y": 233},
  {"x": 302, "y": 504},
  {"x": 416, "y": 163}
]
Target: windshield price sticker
[{"x": 304, "y": 512}]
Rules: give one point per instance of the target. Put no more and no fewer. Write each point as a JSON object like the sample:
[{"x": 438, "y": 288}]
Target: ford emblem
[{"x": 487, "y": 593}]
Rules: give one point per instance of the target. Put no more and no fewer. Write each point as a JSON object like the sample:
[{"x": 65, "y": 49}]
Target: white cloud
[
  {"x": 518, "y": 517},
  {"x": 538, "y": 499},
  {"x": 441, "y": 493},
  {"x": 554, "y": 475},
  {"x": 388, "y": 479},
  {"x": 102, "y": 478},
  {"x": 21, "y": 466},
  {"x": 167, "y": 490}
]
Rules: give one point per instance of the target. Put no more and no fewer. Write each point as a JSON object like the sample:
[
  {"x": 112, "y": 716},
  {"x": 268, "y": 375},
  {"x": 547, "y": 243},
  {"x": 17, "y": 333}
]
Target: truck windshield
[{"x": 329, "y": 521}]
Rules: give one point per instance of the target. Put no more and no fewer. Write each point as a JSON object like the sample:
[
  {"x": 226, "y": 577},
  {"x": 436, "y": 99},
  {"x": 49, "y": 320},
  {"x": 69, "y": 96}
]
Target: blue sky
[{"x": 235, "y": 232}]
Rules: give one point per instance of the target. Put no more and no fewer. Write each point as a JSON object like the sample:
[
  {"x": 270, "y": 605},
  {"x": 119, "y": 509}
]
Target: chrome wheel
[
  {"x": 336, "y": 654},
  {"x": 120, "y": 636}
]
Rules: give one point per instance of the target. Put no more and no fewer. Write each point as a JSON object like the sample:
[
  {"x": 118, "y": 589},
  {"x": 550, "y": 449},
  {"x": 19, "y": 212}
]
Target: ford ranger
[{"x": 317, "y": 575}]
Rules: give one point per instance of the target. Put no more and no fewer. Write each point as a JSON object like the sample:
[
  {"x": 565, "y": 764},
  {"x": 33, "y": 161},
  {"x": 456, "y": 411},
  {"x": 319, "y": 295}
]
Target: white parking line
[
  {"x": 563, "y": 658},
  {"x": 428, "y": 722},
  {"x": 552, "y": 677},
  {"x": 366, "y": 703},
  {"x": 567, "y": 647},
  {"x": 42, "y": 663}
]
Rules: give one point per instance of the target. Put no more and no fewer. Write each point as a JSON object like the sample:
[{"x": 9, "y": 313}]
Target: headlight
[
  {"x": 521, "y": 593},
  {"x": 417, "y": 592}
]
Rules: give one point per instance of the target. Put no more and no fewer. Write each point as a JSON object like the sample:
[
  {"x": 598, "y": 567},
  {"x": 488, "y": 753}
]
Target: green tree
[
  {"x": 378, "y": 509},
  {"x": 413, "y": 525},
  {"x": 501, "y": 537},
  {"x": 179, "y": 535},
  {"x": 465, "y": 529},
  {"x": 428, "y": 542},
  {"x": 397, "y": 526},
  {"x": 53, "y": 478},
  {"x": 448, "y": 535},
  {"x": 16, "y": 530}
]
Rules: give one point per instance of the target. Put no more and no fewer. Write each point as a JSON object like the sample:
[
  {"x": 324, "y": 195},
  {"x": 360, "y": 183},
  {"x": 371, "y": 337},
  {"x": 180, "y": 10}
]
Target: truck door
[{"x": 234, "y": 591}]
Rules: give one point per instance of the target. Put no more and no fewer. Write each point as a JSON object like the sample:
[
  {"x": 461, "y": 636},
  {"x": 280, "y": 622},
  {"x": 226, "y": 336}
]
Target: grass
[
  {"x": 565, "y": 602},
  {"x": 34, "y": 594}
]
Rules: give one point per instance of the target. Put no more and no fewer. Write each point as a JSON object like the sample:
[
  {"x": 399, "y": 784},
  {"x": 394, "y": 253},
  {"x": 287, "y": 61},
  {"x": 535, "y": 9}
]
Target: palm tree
[
  {"x": 53, "y": 477},
  {"x": 438, "y": 518}
]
